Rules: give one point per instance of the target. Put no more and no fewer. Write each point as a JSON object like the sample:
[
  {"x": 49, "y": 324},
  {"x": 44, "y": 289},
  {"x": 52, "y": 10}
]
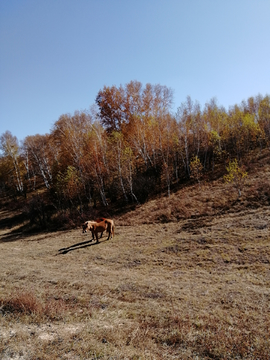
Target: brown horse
[
  {"x": 92, "y": 225},
  {"x": 98, "y": 227},
  {"x": 110, "y": 228},
  {"x": 86, "y": 227},
  {"x": 87, "y": 224}
]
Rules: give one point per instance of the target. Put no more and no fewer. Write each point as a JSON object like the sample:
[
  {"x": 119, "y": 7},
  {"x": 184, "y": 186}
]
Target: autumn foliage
[{"x": 130, "y": 146}]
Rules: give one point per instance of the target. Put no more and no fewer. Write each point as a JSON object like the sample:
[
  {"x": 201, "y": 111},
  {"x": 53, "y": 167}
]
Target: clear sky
[{"x": 55, "y": 55}]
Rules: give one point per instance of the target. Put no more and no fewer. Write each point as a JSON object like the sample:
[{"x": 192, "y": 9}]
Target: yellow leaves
[
  {"x": 250, "y": 126},
  {"x": 69, "y": 183},
  {"x": 234, "y": 172},
  {"x": 214, "y": 136},
  {"x": 196, "y": 168},
  {"x": 9, "y": 144},
  {"x": 236, "y": 175},
  {"x": 242, "y": 131},
  {"x": 128, "y": 152},
  {"x": 175, "y": 139}
]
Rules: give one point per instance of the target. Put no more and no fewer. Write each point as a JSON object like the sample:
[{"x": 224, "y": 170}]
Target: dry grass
[
  {"x": 191, "y": 289},
  {"x": 209, "y": 199},
  {"x": 189, "y": 281}
]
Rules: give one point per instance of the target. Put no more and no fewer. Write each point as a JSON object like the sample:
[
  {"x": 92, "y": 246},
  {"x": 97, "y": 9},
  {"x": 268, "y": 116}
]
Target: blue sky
[{"x": 55, "y": 55}]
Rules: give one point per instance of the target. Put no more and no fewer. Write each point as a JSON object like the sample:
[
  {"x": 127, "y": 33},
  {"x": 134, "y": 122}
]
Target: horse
[
  {"x": 92, "y": 225},
  {"x": 110, "y": 228},
  {"x": 97, "y": 227},
  {"x": 87, "y": 224}
]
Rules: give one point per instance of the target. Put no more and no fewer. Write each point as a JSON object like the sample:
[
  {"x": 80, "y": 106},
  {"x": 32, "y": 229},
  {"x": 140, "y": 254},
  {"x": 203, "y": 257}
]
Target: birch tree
[
  {"x": 38, "y": 158},
  {"x": 10, "y": 146}
]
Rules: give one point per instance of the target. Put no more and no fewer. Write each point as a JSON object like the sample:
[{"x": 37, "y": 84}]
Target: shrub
[
  {"x": 236, "y": 175},
  {"x": 22, "y": 302}
]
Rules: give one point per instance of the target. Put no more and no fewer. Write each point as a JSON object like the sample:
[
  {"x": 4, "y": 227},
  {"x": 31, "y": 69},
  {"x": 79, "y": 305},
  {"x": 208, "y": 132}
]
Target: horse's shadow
[{"x": 77, "y": 246}]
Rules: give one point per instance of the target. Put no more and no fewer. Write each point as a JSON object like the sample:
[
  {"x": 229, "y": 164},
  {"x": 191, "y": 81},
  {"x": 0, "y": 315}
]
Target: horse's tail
[{"x": 113, "y": 229}]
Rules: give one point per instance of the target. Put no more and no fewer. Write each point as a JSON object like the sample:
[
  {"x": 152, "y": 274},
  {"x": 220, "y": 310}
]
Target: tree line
[{"x": 129, "y": 146}]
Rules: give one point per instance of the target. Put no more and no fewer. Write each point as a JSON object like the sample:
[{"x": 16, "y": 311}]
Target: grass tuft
[{"x": 21, "y": 303}]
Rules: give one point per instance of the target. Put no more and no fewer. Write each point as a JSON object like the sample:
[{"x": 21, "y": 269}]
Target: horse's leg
[
  {"x": 97, "y": 237},
  {"x": 101, "y": 235},
  {"x": 93, "y": 236},
  {"x": 109, "y": 235}
]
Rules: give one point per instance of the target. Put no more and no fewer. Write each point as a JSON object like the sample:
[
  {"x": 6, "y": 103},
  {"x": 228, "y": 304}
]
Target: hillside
[
  {"x": 211, "y": 198},
  {"x": 185, "y": 277}
]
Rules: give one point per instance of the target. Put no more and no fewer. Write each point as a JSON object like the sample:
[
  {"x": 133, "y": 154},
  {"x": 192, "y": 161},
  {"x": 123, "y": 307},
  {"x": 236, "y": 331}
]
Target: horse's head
[{"x": 84, "y": 227}]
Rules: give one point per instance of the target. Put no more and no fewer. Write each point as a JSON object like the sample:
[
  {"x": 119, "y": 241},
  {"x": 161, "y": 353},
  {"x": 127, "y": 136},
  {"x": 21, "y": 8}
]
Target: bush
[{"x": 21, "y": 303}]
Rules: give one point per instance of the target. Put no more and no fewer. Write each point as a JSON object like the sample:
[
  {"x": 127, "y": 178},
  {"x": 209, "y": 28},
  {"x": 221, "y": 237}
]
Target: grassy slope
[{"x": 184, "y": 278}]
